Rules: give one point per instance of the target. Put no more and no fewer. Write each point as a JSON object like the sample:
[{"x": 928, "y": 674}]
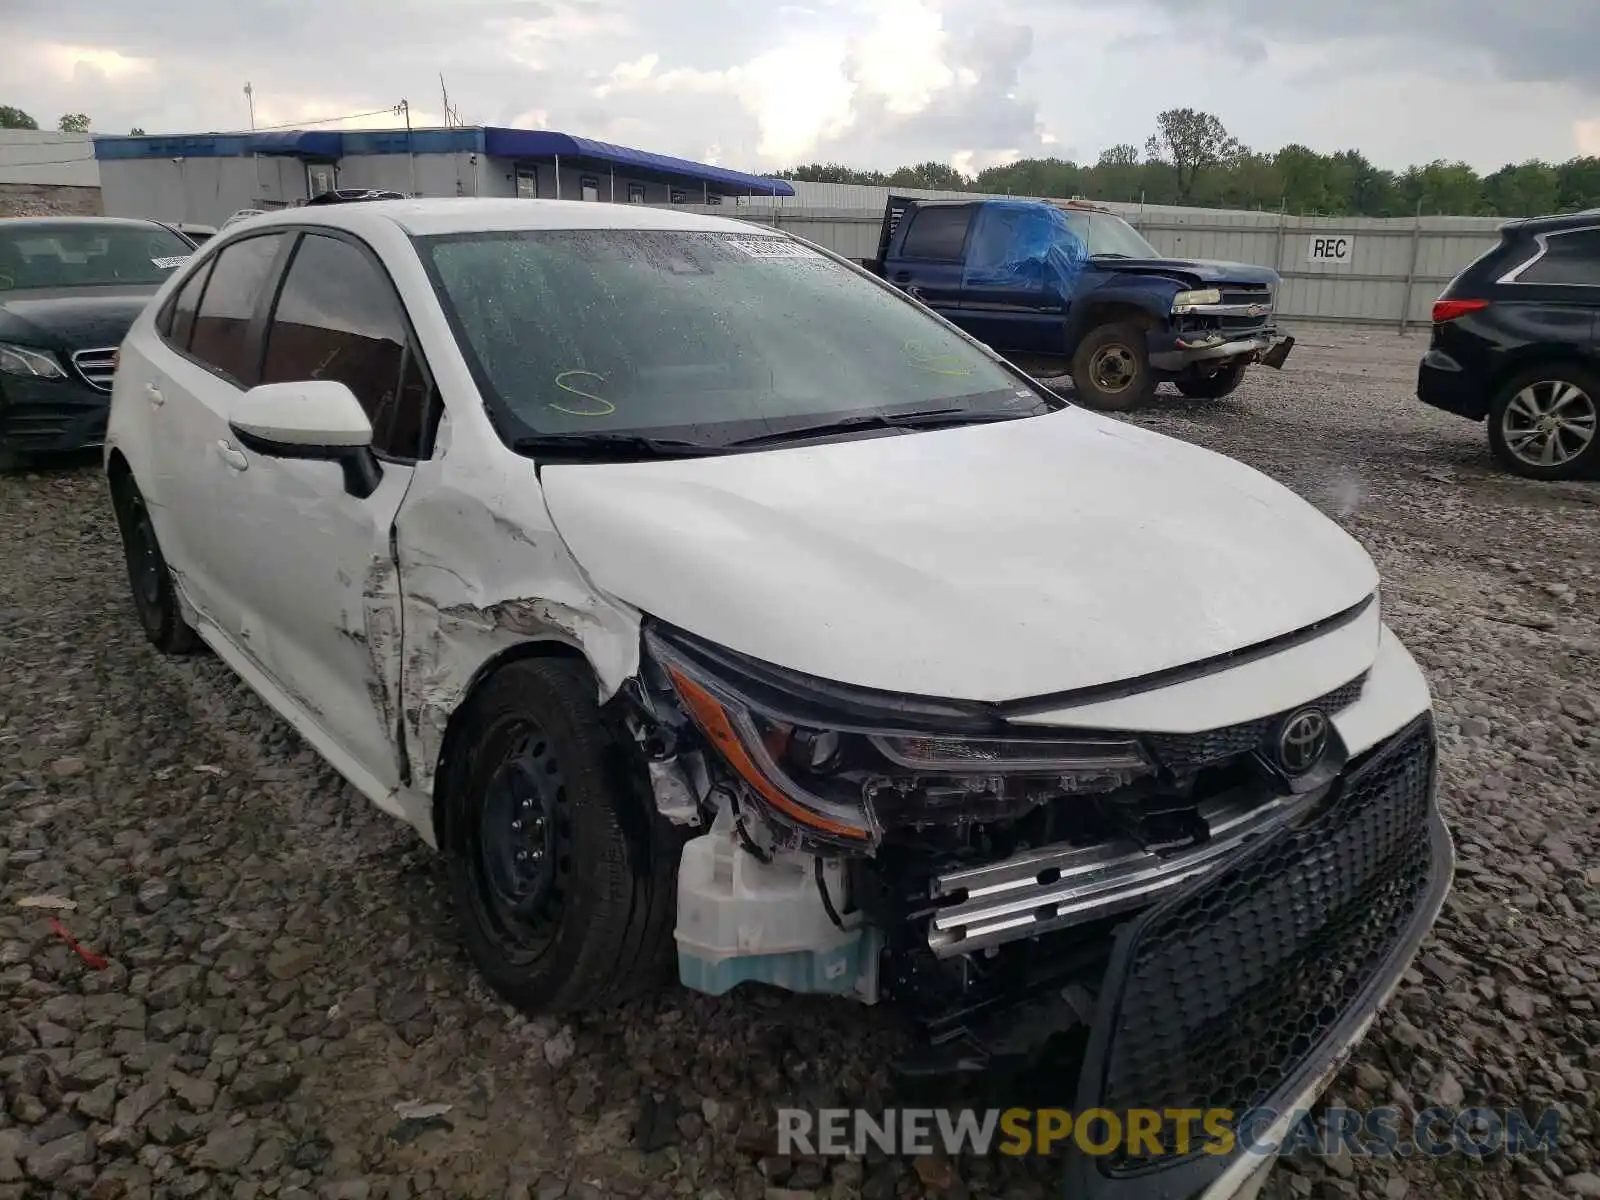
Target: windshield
[
  {"x": 714, "y": 338},
  {"x": 87, "y": 254},
  {"x": 1108, "y": 234}
]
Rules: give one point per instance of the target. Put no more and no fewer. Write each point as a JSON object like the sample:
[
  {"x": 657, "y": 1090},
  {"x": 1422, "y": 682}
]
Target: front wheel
[
  {"x": 1111, "y": 368},
  {"x": 1214, "y": 386},
  {"x": 1543, "y": 423},
  {"x": 563, "y": 875}
]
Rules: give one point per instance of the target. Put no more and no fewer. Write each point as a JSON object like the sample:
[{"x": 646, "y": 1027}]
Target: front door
[{"x": 312, "y": 566}]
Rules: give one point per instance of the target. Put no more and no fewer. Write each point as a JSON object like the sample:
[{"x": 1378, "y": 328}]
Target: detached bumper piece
[{"x": 1240, "y": 991}]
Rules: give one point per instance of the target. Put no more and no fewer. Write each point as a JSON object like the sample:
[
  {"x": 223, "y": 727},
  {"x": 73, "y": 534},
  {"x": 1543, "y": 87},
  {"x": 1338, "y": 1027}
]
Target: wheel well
[
  {"x": 117, "y": 468},
  {"x": 1112, "y": 313},
  {"x": 543, "y": 648},
  {"x": 1543, "y": 359}
]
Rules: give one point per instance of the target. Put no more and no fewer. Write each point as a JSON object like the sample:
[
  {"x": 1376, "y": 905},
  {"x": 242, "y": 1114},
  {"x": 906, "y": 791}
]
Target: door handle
[
  {"x": 153, "y": 394},
  {"x": 232, "y": 457}
]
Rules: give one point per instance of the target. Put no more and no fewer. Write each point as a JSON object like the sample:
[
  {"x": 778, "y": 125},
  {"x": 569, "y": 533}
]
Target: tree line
[
  {"x": 1192, "y": 160},
  {"x": 12, "y": 117}
]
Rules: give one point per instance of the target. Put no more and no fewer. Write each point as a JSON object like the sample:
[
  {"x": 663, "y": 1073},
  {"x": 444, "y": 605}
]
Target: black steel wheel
[
  {"x": 154, "y": 597},
  {"x": 562, "y": 873}
]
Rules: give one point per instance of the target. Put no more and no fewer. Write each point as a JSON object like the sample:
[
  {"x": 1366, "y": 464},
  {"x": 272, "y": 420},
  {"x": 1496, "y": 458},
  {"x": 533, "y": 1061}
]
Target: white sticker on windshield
[
  {"x": 771, "y": 247},
  {"x": 166, "y": 264}
]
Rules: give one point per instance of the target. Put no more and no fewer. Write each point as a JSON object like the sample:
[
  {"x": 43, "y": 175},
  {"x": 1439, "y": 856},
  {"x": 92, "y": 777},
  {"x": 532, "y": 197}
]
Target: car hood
[
  {"x": 1195, "y": 271},
  {"x": 72, "y": 318},
  {"x": 989, "y": 562}
]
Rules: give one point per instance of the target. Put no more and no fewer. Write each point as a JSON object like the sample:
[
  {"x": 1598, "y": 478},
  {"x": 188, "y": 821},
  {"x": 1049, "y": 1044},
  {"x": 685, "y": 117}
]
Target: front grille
[
  {"x": 1181, "y": 753},
  {"x": 95, "y": 367},
  {"x": 1228, "y": 991},
  {"x": 1240, "y": 293}
]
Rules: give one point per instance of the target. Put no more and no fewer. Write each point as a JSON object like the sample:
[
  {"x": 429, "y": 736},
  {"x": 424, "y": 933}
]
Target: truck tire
[
  {"x": 1212, "y": 387},
  {"x": 1111, "y": 368},
  {"x": 562, "y": 873}
]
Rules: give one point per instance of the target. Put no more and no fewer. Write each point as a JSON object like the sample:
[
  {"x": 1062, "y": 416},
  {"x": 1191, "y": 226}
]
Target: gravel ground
[{"x": 282, "y": 971}]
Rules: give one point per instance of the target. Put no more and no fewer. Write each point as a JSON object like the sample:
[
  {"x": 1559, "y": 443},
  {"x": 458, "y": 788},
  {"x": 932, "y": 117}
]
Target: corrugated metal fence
[{"x": 1385, "y": 270}]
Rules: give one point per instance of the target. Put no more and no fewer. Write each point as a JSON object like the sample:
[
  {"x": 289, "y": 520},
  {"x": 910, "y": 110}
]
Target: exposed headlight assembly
[
  {"x": 843, "y": 764},
  {"x": 32, "y": 364},
  {"x": 1184, "y": 301}
]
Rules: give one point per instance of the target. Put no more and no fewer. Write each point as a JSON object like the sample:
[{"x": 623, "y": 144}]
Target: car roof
[
  {"x": 468, "y": 215},
  {"x": 42, "y": 222},
  {"x": 1555, "y": 223}
]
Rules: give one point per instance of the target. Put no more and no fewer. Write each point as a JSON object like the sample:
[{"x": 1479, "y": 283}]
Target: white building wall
[{"x": 44, "y": 156}]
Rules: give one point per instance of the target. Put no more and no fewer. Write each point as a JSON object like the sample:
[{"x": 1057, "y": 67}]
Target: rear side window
[
  {"x": 938, "y": 233},
  {"x": 1569, "y": 258},
  {"x": 222, "y": 324},
  {"x": 179, "y": 324},
  {"x": 338, "y": 318}
]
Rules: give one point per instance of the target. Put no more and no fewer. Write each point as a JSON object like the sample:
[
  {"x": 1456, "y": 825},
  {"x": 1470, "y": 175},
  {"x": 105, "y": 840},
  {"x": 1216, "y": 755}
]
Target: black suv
[{"x": 1516, "y": 340}]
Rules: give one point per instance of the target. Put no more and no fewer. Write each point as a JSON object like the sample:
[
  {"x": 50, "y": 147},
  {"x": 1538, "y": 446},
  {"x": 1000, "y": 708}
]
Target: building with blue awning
[{"x": 210, "y": 176}]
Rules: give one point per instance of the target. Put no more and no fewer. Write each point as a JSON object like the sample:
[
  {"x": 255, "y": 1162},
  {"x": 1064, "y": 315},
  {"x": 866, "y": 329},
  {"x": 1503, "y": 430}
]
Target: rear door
[
  {"x": 931, "y": 240},
  {"x": 210, "y": 355}
]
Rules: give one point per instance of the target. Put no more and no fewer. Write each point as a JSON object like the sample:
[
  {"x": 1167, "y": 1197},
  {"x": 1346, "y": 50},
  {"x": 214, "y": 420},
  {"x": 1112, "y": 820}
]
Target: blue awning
[
  {"x": 301, "y": 143},
  {"x": 543, "y": 143}
]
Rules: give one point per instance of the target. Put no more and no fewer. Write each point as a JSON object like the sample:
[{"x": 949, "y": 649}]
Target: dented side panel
[{"x": 483, "y": 571}]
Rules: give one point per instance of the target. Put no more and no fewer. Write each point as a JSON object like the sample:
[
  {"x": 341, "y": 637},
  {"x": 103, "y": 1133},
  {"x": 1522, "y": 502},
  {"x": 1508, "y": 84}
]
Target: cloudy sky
[{"x": 766, "y": 83}]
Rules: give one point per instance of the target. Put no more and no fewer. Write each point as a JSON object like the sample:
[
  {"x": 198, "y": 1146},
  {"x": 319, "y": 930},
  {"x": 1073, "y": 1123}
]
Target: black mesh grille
[
  {"x": 1181, "y": 753},
  {"x": 1229, "y": 990}
]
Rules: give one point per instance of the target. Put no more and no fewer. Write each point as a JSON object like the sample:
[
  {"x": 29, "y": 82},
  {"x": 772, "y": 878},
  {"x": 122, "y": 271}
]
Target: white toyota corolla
[{"x": 707, "y": 602}]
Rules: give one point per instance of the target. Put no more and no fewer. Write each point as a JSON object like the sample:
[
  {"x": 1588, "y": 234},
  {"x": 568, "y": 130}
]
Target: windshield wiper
[
  {"x": 927, "y": 419},
  {"x": 606, "y": 444},
  {"x": 1109, "y": 254}
]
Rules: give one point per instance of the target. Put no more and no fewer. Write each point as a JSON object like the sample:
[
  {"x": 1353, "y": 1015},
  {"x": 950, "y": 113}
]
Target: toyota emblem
[{"x": 1302, "y": 741}]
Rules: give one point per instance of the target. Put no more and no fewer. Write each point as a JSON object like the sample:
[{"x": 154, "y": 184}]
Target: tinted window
[
  {"x": 179, "y": 324},
  {"x": 938, "y": 233},
  {"x": 222, "y": 325},
  {"x": 705, "y": 336},
  {"x": 1570, "y": 258},
  {"x": 338, "y": 318},
  {"x": 84, "y": 253}
]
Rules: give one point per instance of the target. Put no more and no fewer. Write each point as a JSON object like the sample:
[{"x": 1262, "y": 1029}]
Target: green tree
[
  {"x": 1523, "y": 190},
  {"x": 1191, "y": 142},
  {"x": 15, "y": 118},
  {"x": 1578, "y": 184},
  {"x": 1442, "y": 187},
  {"x": 935, "y": 176},
  {"x": 74, "y": 123}
]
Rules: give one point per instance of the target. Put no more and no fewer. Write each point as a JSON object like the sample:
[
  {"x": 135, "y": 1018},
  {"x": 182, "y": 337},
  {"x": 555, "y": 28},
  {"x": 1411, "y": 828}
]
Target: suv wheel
[
  {"x": 1111, "y": 369},
  {"x": 1214, "y": 386},
  {"x": 563, "y": 875},
  {"x": 154, "y": 597},
  {"x": 1545, "y": 423}
]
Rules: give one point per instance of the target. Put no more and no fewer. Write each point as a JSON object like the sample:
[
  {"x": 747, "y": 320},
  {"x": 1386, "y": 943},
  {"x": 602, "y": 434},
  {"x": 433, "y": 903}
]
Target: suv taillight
[{"x": 1449, "y": 310}]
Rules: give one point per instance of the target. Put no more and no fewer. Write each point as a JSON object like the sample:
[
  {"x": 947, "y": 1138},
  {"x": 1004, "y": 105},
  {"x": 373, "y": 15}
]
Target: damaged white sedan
[{"x": 707, "y": 601}]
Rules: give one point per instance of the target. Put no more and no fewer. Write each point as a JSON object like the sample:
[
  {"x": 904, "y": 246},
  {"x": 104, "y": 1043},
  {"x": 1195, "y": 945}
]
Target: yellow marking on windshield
[
  {"x": 605, "y": 411},
  {"x": 938, "y": 364}
]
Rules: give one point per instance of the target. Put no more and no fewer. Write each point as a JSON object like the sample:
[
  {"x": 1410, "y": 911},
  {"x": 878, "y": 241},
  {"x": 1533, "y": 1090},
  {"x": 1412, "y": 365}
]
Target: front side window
[
  {"x": 221, "y": 336},
  {"x": 81, "y": 253},
  {"x": 1569, "y": 259},
  {"x": 338, "y": 318},
  {"x": 710, "y": 337},
  {"x": 938, "y": 233},
  {"x": 1107, "y": 235}
]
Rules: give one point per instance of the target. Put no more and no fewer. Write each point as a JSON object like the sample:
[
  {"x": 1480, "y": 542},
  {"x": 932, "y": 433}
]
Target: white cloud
[{"x": 1586, "y": 135}]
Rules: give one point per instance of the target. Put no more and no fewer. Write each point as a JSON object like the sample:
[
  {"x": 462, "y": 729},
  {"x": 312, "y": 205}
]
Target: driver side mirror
[{"x": 316, "y": 419}]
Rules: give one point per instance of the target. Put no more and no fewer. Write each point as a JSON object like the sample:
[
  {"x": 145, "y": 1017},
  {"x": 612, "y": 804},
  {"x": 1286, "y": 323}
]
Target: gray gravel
[{"x": 282, "y": 973}]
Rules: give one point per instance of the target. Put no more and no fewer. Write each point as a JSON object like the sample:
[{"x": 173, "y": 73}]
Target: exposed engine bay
[{"x": 929, "y": 852}]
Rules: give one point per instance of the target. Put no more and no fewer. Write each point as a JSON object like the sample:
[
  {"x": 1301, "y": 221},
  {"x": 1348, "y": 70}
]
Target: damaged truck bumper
[
  {"x": 1290, "y": 902},
  {"x": 1175, "y": 353}
]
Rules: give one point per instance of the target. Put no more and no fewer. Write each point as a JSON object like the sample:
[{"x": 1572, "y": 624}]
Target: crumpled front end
[{"x": 1004, "y": 881}]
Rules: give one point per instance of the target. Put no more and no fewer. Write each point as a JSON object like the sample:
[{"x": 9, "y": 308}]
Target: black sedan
[
  {"x": 69, "y": 289},
  {"x": 1516, "y": 342}
]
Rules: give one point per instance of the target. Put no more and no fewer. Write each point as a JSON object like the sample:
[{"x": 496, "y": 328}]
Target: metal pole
[
  {"x": 558, "y": 176},
  {"x": 613, "y": 185},
  {"x": 405, "y": 107},
  {"x": 1283, "y": 223},
  {"x": 705, "y": 193},
  {"x": 1411, "y": 272},
  {"x": 250, "y": 99}
]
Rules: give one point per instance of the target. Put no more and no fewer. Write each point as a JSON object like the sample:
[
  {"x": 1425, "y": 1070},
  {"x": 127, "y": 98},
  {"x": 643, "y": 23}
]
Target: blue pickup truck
[{"x": 1069, "y": 288}]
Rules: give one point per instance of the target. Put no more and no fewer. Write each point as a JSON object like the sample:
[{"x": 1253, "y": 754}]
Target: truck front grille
[{"x": 1226, "y": 993}]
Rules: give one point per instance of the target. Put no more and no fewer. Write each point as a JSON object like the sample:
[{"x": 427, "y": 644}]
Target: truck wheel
[
  {"x": 1212, "y": 387},
  {"x": 1111, "y": 369},
  {"x": 1543, "y": 423},
  {"x": 563, "y": 876}
]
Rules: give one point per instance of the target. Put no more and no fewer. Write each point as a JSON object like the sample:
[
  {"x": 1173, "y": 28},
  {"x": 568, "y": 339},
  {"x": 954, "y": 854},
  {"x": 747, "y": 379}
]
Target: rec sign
[{"x": 1332, "y": 249}]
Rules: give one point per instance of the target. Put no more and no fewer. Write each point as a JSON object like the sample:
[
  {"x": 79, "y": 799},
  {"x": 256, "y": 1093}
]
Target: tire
[
  {"x": 1111, "y": 368},
  {"x": 562, "y": 874},
  {"x": 1212, "y": 387},
  {"x": 150, "y": 580},
  {"x": 1521, "y": 433}
]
